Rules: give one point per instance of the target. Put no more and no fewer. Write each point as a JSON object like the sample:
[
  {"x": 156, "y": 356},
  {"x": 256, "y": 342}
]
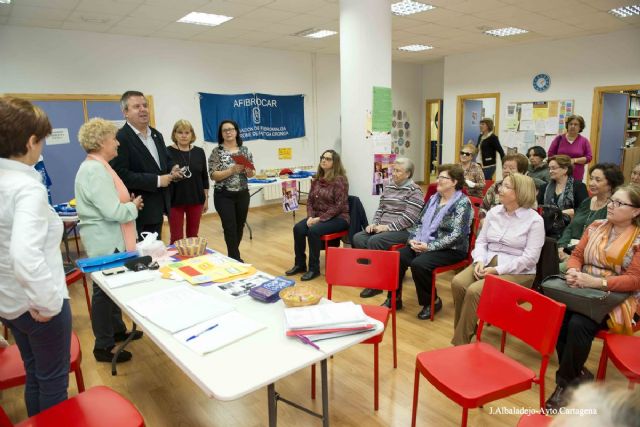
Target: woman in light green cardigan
[{"x": 107, "y": 216}]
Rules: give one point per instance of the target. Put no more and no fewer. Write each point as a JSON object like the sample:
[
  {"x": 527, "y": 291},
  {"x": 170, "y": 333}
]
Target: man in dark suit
[{"x": 143, "y": 163}]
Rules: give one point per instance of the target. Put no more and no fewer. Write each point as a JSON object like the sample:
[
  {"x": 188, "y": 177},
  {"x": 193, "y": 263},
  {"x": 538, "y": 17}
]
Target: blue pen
[
  {"x": 307, "y": 341},
  {"x": 192, "y": 337}
]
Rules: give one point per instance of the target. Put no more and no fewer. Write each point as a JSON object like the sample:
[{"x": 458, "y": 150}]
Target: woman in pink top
[{"x": 573, "y": 145}]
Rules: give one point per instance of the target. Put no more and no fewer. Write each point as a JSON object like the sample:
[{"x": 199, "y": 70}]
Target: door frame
[
  {"x": 427, "y": 137},
  {"x": 596, "y": 113},
  {"x": 459, "y": 121}
]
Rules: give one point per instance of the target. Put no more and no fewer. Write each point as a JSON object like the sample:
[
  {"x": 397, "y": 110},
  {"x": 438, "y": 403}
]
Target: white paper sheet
[
  {"x": 231, "y": 327},
  {"x": 540, "y": 127},
  {"x": 130, "y": 278},
  {"x": 323, "y": 315},
  {"x": 178, "y": 308},
  {"x": 527, "y": 125},
  {"x": 526, "y": 112}
]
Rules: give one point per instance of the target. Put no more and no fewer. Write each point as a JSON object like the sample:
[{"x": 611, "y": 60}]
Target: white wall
[
  {"x": 432, "y": 88},
  {"x": 576, "y": 66}
]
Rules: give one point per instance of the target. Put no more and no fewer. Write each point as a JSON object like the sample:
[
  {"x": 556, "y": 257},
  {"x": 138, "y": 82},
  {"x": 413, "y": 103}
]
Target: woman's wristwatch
[{"x": 604, "y": 285}]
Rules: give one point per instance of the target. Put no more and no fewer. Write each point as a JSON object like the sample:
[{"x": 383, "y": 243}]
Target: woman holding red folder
[{"x": 230, "y": 164}]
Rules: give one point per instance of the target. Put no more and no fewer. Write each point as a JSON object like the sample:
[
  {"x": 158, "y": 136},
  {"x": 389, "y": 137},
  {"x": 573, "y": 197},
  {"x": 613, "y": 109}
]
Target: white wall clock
[{"x": 541, "y": 82}]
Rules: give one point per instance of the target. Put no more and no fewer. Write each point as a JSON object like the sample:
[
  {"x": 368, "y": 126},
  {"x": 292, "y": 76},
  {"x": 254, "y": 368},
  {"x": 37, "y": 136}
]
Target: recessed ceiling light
[
  {"x": 623, "y": 12},
  {"x": 505, "y": 32},
  {"x": 409, "y": 7},
  {"x": 207, "y": 19},
  {"x": 314, "y": 33},
  {"x": 415, "y": 47},
  {"x": 5, "y": 1}
]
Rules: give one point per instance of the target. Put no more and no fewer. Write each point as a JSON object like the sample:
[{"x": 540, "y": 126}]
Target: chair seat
[
  {"x": 97, "y": 407},
  {"x": 474, "y": 374},
  {"x": 333, "y": 236},
  {"x": 534, "y": 420},
  {"x": 381, "y": 314},
  {"x": 457, "y": 265},
  {"x": 12, "y": 373},
  {"x": 623, "y": 350}
]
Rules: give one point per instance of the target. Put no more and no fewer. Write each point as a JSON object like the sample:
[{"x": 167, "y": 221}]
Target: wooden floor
[{"x": 167, "y": 397}]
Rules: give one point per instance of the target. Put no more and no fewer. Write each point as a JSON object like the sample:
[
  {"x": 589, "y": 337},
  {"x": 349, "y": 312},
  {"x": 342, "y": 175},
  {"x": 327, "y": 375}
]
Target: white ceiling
[{"x": 454, "y": 26}]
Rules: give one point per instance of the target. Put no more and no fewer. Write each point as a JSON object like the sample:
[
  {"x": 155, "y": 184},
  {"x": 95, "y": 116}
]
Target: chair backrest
[
  {"x": 4, "y": 419},
  {"x": 487, "y": 184},
  {"x": 537, "y": 324},
  {"x": 362, "y": 268},
  {"x": 431, "y": 190}
]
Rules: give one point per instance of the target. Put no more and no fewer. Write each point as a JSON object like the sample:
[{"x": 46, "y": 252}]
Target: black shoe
[
  {"x": 425, "y": 313},
  {"x": 387, "y": 303},
  {"x": 122, "y": 336},
  {"x": 106, "y": 355},
  {"x": 585, "y": 375},
  {"x": 557, "y": 399},
  {"x": 368, "y": 293},
  {"x": 309, "y": 275},
  {"x": 295, "y": 270}
]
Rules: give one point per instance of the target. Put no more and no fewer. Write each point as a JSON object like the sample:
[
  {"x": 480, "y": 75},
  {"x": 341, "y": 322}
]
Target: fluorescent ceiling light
[
  {"x": 623, "y": 12},
  {"x": 5, "y": 1},
  {"x": 415, "y": 47},
  {"x": 207, "y": 19},
  {"x": 505, "y": 32},
  {"x": 409, "y": 7},
  {"x": 319, "y": 34}
]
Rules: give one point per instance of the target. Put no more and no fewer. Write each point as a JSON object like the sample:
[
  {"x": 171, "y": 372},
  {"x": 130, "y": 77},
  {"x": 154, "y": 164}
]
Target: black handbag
[
  {"x": 554, "y": 220},
  {"x": 593, "y": 303}
]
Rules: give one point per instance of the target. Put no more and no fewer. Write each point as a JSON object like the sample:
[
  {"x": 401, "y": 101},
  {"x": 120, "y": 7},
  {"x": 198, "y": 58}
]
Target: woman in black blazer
[{"x": 489, "y": 146}]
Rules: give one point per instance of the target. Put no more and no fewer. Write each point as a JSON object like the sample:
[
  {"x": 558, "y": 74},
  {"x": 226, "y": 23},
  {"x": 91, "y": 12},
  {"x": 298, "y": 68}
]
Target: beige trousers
[{"x": 466, "y": 295}]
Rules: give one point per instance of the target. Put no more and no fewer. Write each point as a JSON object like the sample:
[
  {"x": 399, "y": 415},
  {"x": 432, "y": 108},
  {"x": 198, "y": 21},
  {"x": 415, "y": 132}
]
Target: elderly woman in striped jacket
[{"x": 399, "y": 209}]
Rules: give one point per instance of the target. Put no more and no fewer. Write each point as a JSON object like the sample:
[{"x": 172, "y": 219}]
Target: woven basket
[
  {"x": 300, "y": 296},
  {"x": 192, "y": 246}
]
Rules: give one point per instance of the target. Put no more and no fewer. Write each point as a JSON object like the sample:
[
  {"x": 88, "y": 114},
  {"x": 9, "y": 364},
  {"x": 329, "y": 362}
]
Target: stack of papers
[
  {"x": 329, "y": 320},
  {"x": 130, "y": 278}
]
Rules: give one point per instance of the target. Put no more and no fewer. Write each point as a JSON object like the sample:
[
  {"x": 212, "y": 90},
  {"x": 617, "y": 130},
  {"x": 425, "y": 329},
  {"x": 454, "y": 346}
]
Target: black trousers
[
  {"x": 422, "y": 266},
  {"x": 152, "y": 228},
  {"x": 573, "y": 346},
  {"x": 302, "y": 233},
  {"x": 233, "y": 207},
  {"x": 106, "y": 319}
]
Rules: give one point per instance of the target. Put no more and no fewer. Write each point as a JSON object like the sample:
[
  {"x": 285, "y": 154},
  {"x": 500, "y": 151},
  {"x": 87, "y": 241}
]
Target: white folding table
[{"x": 246, "y": 365}]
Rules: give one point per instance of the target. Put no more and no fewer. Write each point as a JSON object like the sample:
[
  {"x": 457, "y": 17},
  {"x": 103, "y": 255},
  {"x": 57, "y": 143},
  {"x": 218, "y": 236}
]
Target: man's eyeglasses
[
  {"x": 617, "y": 203},
  {"x": 328, "y": 159},
  {"x": 464, "y": 153},
  {"x": 228, "y": 130}
]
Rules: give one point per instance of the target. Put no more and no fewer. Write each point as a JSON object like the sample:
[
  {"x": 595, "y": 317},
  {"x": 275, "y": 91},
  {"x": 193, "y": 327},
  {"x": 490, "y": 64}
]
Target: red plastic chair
[
  {"x": 326, "y": 239},
  {"x": 363, "y": 268},
  {"x": 477, "y": 373},
  {"x": 534, "y": 420},
  {"x": 623, "y": 350},
  {"x": 97, "y": 407},
  {"x": 12, "y": 372},
  {"x": 75, "y": 275}
]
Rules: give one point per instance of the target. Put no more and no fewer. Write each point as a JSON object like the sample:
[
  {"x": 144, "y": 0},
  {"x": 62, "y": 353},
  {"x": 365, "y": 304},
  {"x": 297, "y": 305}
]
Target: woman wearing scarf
[
  {"x": 607, "y": 258},
  {"x": 509, "y": 245},
  {"x": 441, "y": 238},
  {"x": 107, "y": 214},
  {"x": 562, "y": 194}
]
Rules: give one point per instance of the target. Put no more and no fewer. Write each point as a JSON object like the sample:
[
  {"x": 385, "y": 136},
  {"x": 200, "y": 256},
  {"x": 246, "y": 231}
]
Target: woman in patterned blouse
[
  {"x": 441, "y": 238},
  {"x": 231, "y": 192},
  {"x": 473, "y": 175},
  {"x": 327, "y": 212}
]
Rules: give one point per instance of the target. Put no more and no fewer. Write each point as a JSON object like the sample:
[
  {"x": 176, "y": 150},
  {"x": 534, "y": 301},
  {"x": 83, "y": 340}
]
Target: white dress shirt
[
  {"x": 516, "y": 239},
  {"x": 148, "y": 142},
  {"x": 31, "y": 271}
]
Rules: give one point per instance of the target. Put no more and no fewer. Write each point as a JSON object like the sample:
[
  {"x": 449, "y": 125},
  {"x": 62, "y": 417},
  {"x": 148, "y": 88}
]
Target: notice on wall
[
  {"x": 58, "y": 136},
  {"x": 382, "y": 110},
  {"x": 284, "y": 153}
]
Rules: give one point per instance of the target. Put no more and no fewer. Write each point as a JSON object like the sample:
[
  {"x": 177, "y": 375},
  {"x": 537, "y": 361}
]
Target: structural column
[{"x": 365, "y": 62}]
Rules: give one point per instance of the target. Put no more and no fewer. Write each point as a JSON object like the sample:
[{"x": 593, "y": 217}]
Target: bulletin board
[
  {"x": 62, "y": 152},
  {"x": 534, "y": 123}
]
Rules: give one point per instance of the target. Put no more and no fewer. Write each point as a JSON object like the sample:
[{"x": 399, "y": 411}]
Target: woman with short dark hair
[
  {"x": 538, "y": 168},
  {"x": 34, "y": 302},
  {"x": 489, "y": 146},
  {"x": 574, "y": 145}
]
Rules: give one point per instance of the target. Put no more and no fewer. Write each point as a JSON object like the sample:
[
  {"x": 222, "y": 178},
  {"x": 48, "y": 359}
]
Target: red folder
[{"x": 242, "y": 160}]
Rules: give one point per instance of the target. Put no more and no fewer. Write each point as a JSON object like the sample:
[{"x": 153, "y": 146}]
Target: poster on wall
[
  {"x": 400, "y": 132},
  {"x": 382, "y": 170},
  {"x": 259, "y": 115},
  {"x": 380, "y": 141},
  {"x": 290, "y": 196}
]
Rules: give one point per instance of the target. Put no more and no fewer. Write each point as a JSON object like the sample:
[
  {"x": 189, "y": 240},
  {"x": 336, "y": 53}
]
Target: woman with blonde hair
[
  {"x": 107, "y": 214},
  {"x": 327, "y": 212},
  {"x": 189, "y": 196},
  {"x": 473, "y": 175},
  {"x": 508, "y": 245}
]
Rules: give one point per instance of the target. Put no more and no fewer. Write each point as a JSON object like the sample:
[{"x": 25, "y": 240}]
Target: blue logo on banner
[{"x": 258, "y": 115}]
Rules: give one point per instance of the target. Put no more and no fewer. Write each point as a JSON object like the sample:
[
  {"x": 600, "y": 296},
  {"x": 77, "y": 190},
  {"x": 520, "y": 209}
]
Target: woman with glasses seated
[
  {"x": 107, "y": 214},
  {"x": 473, "y": 175},
  {"x": 327, "y": 212},
  {"x": 512, "y": 163},
  {"x": 607, "y": 258},
  {"x": 508, "y": 245},
  {"x": 562, "y": 194},
  {"x": 231, "y": 188},
  {"x": 441, "y": 238}
]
